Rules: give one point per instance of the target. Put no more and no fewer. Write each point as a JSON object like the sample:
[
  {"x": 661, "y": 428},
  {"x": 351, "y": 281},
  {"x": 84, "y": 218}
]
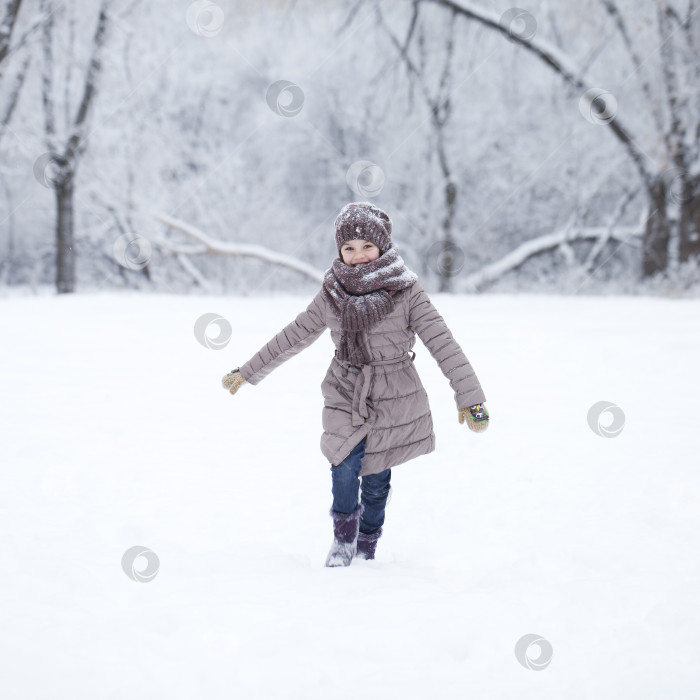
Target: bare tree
[
  {"x": 65, "y": 158},
  {"x": 440, "y": 109},
  {"x": 8, "y": 20},
  {"x": 673, "y": 192}
]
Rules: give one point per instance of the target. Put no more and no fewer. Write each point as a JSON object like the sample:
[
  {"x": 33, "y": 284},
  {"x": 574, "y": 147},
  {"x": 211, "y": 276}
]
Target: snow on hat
[{"x": 363, "y": 220}]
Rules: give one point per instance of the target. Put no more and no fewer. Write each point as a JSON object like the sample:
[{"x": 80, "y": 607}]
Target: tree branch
[
  {"x": 542, "y": 244},
  {"x": 243, "y": 250},
  {"x": 558, "y": 62},
  {"x": 621, "y": 25},
  {"x": 77, "y": 142},
  {"x": 14, "y": 95},
  {"x": 7, "y": 25}
]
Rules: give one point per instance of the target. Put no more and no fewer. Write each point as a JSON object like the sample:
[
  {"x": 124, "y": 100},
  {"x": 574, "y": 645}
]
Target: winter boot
[
  {"x": 367, "y": 544},
  {"x": 345, "y": 528}
]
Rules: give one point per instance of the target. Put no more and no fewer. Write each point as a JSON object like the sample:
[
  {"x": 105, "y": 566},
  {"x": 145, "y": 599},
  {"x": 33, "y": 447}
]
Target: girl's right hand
[{"x": 232, "y": 381}]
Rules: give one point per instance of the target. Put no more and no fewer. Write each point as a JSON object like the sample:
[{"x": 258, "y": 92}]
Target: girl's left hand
[{"x": 477, "y": 417}]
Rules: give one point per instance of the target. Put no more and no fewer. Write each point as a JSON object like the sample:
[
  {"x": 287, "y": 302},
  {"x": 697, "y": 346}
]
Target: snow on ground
[{"x": 117, "y": 433}]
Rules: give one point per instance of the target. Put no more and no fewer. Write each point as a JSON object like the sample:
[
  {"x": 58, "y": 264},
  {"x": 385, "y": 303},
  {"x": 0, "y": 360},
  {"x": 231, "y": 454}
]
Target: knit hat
[{"x": 363, "y": 220}]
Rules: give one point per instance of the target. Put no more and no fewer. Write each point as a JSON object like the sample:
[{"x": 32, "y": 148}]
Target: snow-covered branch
[
  {"x": 78, "y": 140},
  {"x": 487, "y": 274},
  {"x": 543, "y": 244},
  {"x": 652, "y": 100},
  {"x": 14, "y": 95},
  {"x": 243, "y": 250},
  {"x": 559, "y": 62},
  {"x": 7, "y": 25}
]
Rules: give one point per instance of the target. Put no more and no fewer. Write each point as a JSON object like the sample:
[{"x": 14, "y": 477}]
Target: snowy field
[{"x": 117, "y": 433}]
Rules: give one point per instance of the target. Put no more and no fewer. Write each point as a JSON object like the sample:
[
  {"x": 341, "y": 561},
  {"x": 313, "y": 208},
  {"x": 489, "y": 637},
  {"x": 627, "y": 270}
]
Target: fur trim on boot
[
  {"x": 345, "y": 529},
  {"x": 367, "y": 544}
]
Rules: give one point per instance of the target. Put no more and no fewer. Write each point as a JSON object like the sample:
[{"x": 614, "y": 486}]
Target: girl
[{"x": 376, "y": 413}]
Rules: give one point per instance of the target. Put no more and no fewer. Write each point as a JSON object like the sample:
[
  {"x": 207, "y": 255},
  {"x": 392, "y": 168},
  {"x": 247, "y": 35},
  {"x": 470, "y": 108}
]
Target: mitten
[
  {"x": 477, "y": 417},
  {"x": 233, "y": 380}
]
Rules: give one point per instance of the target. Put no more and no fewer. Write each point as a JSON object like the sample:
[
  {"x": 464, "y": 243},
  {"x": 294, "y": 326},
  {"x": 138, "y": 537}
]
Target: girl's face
[{"x": 357, "y": 251}]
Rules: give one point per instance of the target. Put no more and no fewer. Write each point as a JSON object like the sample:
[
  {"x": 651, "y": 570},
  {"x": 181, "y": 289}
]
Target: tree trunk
[
  {"x": 67, "y": 158},
  {"x": 447, "y": 268},
  {"x": 689, "y": 246},
  {"x": 672, "y": 232},
  {"x": 65, "y": 256},
  {"x": 657, "y": 233}
]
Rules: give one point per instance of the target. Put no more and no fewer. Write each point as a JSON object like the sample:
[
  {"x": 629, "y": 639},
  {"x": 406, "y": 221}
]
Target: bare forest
[{"x": 208, "y": 146}]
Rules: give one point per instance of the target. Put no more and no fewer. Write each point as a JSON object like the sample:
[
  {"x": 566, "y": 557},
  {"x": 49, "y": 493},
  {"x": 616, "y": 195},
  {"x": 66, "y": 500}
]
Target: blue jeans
[{"x": 375, "y": 490}]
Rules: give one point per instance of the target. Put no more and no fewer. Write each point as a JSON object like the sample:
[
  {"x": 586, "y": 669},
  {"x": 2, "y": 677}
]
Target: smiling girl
[{"x": 376, "y": 413}]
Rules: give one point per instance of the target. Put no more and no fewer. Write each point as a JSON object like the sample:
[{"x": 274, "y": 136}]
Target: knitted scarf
[{"x": 362, "y": 295}]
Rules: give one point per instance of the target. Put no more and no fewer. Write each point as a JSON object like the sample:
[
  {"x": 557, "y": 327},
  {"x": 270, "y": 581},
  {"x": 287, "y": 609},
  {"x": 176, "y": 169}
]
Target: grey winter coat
[{"x": 384, "y": 400}]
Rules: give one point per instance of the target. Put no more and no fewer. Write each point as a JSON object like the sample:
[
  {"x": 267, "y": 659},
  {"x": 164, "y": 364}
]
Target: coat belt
[{"x": 364, "y": 380}]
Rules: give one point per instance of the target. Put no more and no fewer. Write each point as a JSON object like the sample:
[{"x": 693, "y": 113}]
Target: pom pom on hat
[{"x": 363, "y": 220}]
